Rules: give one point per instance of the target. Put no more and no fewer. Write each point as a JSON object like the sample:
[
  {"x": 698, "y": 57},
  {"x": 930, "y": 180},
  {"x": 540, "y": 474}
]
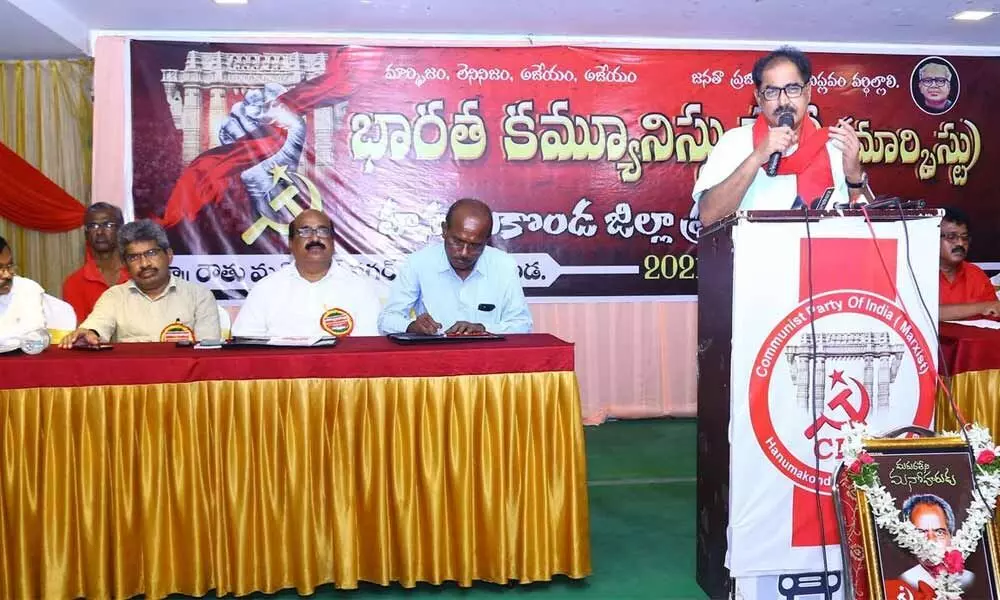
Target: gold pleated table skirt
[
  {"x": 243, "y": 486},
  {"x": 976, "y": 394}
]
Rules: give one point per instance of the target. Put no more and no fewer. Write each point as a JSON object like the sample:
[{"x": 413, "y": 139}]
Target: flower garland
[{"x": 948, "y": 563}]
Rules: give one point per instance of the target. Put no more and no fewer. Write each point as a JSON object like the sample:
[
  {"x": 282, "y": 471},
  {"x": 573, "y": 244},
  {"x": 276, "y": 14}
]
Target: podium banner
[
  {"x": 854, "y": 306},
  {"x": 588, "y": 156}
]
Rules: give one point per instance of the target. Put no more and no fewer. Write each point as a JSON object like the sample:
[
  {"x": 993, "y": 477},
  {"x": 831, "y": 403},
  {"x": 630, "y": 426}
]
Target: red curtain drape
[{"x": 30, "y": 199}]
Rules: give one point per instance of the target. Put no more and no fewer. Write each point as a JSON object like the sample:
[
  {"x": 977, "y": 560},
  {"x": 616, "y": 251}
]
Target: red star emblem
[{"x": 837, "y": 377}]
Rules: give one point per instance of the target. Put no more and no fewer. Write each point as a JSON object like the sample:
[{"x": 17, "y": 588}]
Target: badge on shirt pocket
[
  {"x": 337, "y": 321},
  {"x": 177, "y": 332}
]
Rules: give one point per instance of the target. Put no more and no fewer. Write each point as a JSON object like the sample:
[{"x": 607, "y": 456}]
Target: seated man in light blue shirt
[{"x": 461, "y": 287}]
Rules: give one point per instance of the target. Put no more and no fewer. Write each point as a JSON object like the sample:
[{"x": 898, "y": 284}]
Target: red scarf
[{"x": 810, "y": 163}]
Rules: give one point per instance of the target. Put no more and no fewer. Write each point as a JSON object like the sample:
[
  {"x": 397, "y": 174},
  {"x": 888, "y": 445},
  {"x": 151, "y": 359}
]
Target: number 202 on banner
[{"x": 669, "y": 266}]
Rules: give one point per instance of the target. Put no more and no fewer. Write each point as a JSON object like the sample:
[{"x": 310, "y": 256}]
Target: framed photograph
[{"x": 931, "y": 481}]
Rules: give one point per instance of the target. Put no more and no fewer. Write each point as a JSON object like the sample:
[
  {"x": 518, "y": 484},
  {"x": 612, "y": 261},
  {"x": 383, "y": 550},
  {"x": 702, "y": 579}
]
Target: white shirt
[
  {"x": 764, "y": 193},
  {"x": 21, "y": 309},
  {"x": 490, "y": 295},
  {"x": 286, "y": 304}
]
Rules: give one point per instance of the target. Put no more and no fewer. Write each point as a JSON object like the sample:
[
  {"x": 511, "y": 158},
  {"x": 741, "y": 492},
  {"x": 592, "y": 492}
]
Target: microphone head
[
  {"x": 786, "y": 119},
  {"x": 821, "y": 202}
]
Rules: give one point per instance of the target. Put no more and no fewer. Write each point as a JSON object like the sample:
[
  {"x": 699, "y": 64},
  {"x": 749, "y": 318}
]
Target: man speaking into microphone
[{"x": 783, "y": 155}]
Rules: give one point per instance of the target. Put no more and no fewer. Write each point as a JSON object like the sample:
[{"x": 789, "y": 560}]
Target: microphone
[
  {"x": 784, "y": 120},
  {"x": 884, "y": 202},
  {"x": 821, "y": 202}
]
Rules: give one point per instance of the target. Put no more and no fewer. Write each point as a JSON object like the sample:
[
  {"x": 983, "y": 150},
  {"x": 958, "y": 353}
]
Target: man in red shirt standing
[
  {"x": 966, "y": 291},
  {"x": 103, "y": 267}
]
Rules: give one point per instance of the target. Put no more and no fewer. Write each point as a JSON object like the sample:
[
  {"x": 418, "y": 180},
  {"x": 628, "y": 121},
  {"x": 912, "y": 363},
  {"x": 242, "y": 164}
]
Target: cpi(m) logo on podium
[{"x": 866, "y": 362}]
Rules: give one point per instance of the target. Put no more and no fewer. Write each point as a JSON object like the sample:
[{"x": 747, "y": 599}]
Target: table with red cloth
[
  {"x": 971, "y": 367},
  {"x": 150, "y": 469}
]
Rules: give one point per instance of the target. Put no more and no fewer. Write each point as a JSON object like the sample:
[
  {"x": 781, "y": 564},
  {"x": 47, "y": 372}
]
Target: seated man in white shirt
[
  {"x": 459, "y": 287},
  {"x": 813, "y": 159},
  {"x": 312, "y": 297},
  {"x": 21, "y": 309}
]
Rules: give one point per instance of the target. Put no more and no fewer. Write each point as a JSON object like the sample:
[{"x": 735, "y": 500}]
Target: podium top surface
[{"x": 797, "y": 216}]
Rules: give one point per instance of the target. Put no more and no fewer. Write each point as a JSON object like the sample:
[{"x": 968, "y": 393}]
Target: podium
[{"x": 806, "y": 321}]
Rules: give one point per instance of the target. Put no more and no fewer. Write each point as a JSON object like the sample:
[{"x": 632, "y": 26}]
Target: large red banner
[{"x": 587, "y": 156}]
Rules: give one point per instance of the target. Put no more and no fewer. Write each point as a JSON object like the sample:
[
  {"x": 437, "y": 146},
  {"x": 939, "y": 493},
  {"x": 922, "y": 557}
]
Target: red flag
[{"x": 207, "y": 178}]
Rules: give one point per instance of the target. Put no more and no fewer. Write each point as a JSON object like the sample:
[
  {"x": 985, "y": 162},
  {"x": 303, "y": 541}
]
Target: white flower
[{"x": 906, "y": 534}]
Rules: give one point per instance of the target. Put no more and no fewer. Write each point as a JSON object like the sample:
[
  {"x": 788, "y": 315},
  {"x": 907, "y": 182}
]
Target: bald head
[
  {"x": 468, "y": 207},
  {"x": 309, "y": 218}
]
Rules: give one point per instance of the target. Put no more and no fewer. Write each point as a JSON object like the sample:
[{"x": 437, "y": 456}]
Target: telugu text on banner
[{"x": 587, "y": 156}]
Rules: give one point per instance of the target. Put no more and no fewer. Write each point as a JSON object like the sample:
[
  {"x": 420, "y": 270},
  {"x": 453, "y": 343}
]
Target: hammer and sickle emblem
[{"x": 841, "y": 401}]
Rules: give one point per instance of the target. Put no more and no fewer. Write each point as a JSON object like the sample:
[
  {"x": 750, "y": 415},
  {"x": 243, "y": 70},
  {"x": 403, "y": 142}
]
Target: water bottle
[{"x": 35, "y": 342}]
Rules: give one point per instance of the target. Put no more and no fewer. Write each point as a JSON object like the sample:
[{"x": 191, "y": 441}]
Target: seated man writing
[
  {"x": 21, "y": 309},
  {"x": 312, "y": 296},
  {"x": 966, "y": 292},
  {"x": 461, "y": 286},
  {"x": 153, "y": 299}
]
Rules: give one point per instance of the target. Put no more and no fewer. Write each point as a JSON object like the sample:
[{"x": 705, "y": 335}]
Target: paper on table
[
  {"x": 297, "y": 340},
  {"x": 294, "y": 341},
  {"x": 984, "y": 323}
]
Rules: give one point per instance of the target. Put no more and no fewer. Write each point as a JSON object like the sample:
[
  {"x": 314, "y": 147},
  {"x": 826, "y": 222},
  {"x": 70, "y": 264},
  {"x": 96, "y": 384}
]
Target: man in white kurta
[
  {"x": 764, "y": 193},
  {"x": 293, "y": 301},
  {"x": 813, "y": 159},
  {"x": 20, "y": 299}
]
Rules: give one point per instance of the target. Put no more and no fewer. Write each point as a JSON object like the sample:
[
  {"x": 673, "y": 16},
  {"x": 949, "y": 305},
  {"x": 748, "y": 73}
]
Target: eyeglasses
[
  {"x": 792, "y": 90},
  {"x": 320, "y": 232},
  {"x": 954, "y": 237},
  {"x": 9, "y": 268},
  {"x": 934, "y": 82},
  {"x": 939, "y": 534},
  {"x": 136, "y": 257},
  {"x": 109, "y": 225}
]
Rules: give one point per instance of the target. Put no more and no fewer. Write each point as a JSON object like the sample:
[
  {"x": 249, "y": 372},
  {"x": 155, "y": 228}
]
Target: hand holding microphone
[{"x": 779, "y": 139}]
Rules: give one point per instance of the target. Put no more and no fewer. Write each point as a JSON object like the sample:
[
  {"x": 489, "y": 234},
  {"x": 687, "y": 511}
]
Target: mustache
[
  {"x": 315, "y": 244},
  {"x": 958, "y": 250},
  {"x": 784, "y": 109},
  {"x": 149, "y": 270}
]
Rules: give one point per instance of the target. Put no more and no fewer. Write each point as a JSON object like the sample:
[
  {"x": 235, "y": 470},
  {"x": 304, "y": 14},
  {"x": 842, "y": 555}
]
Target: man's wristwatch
[{"x": 859, "y": 184}]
